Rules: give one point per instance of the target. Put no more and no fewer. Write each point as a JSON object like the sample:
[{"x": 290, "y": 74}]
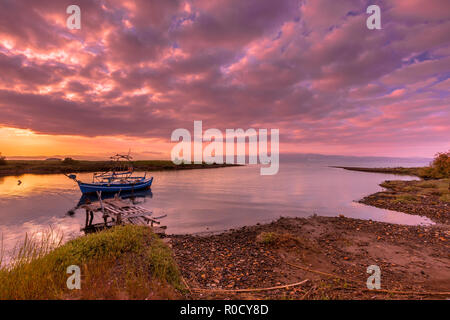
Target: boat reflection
[{"x": 136, "y": 197}]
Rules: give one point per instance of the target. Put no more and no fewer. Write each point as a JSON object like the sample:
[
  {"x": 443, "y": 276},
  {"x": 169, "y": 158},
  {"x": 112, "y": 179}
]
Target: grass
[
  {"x": 267, "y": 238},
  {"x": 436, "y": 182},
  {"x": 16, "y": 167},
  {"x": 125, "y": 262},
  {"x": 285, "y": 240},
  {"x": 413, "y": 191},
  {"x": 406, "y": 198}
]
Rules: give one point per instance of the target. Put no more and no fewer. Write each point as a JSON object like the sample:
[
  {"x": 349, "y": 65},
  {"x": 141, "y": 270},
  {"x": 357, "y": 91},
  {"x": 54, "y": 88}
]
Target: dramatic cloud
[{"x": 139, "y": 69}]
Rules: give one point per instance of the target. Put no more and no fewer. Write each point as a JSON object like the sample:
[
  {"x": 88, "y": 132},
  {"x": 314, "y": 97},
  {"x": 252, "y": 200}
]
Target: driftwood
[{"x": 248, "y": 290}]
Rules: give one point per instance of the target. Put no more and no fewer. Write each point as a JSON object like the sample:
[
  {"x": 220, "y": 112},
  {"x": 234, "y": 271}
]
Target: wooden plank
[
  {"x": 118, "y": 203},
  {"x": 131, "y": 220},
  {"x": 129, "y": 213},
  {"x": 141, "y": 208},
  {"x": 135, "y": 215},
  {"x": 92, "y": 207},
  {"x": 142, "y": 220},
  {"x": 138, "y": 220},
  {"x": 159, "y": 217},
  {"x": 113, "y": 211}
]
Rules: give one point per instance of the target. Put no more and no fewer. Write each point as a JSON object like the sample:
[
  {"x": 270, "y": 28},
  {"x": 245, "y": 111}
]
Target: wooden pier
[{"x": 119, "y": 212}]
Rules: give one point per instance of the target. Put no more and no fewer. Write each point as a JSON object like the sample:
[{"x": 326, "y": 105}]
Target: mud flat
[{"x": 331, "y": 253}]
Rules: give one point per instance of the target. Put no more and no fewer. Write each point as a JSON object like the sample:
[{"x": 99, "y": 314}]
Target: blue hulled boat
[
  {"x": 119, "y": 178},
  {"x": 138, "y": 184}
]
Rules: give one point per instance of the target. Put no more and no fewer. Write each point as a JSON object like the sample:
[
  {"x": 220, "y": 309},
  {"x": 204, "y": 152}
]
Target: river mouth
[{"x": 202, "y": 201}]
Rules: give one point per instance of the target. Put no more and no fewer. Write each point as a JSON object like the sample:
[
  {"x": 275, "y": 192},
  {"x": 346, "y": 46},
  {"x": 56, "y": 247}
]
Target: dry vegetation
[{"x": 418, "y": 190}]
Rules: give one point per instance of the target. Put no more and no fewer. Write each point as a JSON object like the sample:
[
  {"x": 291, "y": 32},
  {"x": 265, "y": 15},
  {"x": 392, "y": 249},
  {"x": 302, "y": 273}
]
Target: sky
[{"x": 138, "y": 70}]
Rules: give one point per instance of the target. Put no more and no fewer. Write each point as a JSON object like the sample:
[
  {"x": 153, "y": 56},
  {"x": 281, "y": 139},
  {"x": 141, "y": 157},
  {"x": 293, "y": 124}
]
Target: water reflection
[
  {"x": 202, "y": 200},
  {"x": 136, "y": 197}
]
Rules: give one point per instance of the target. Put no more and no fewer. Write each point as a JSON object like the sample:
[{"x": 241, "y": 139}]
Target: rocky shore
[
  {"x": 425, "y": 198},
  {"x": 331, "y": 253}
]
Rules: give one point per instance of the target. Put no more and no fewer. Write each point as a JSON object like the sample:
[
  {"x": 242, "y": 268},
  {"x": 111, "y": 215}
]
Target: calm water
[{"x": 203, "y": 200}]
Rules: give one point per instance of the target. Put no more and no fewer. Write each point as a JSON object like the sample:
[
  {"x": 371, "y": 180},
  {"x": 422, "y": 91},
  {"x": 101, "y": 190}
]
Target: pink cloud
[{"x": 141, "y": 69}]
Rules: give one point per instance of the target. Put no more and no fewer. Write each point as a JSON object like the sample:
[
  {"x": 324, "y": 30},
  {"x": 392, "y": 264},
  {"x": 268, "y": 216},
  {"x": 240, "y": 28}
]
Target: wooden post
[
  {"x": 105, "y": 216},
  {"x": 99, "y": 195},
  {"x": 87, "y": 217},
  {"x": 91, "y": 217}
]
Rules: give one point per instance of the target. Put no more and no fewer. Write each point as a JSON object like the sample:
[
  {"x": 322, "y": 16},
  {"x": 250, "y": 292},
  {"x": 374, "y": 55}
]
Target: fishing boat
[{"x": 119, "y": 178}]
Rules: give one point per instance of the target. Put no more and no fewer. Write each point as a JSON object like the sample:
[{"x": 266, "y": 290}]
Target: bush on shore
[
  {"x": 439, "y": 168},
  {"x": 125, "y": 262}
]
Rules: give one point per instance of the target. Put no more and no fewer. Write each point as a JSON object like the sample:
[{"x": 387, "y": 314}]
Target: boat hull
[{"x": 87, "y": 188}]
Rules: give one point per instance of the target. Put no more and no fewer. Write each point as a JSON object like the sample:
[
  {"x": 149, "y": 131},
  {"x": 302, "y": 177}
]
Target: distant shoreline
[
  {"x": 413, "y": 171},
  {"x": 20, "y": 167}
]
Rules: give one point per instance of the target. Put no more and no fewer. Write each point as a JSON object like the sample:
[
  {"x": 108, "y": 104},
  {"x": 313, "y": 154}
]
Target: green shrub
[
  {"x": 267, "y": 238},
  {"x": 439, "y": 168},
  {"x": 441, "y": 164}
]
